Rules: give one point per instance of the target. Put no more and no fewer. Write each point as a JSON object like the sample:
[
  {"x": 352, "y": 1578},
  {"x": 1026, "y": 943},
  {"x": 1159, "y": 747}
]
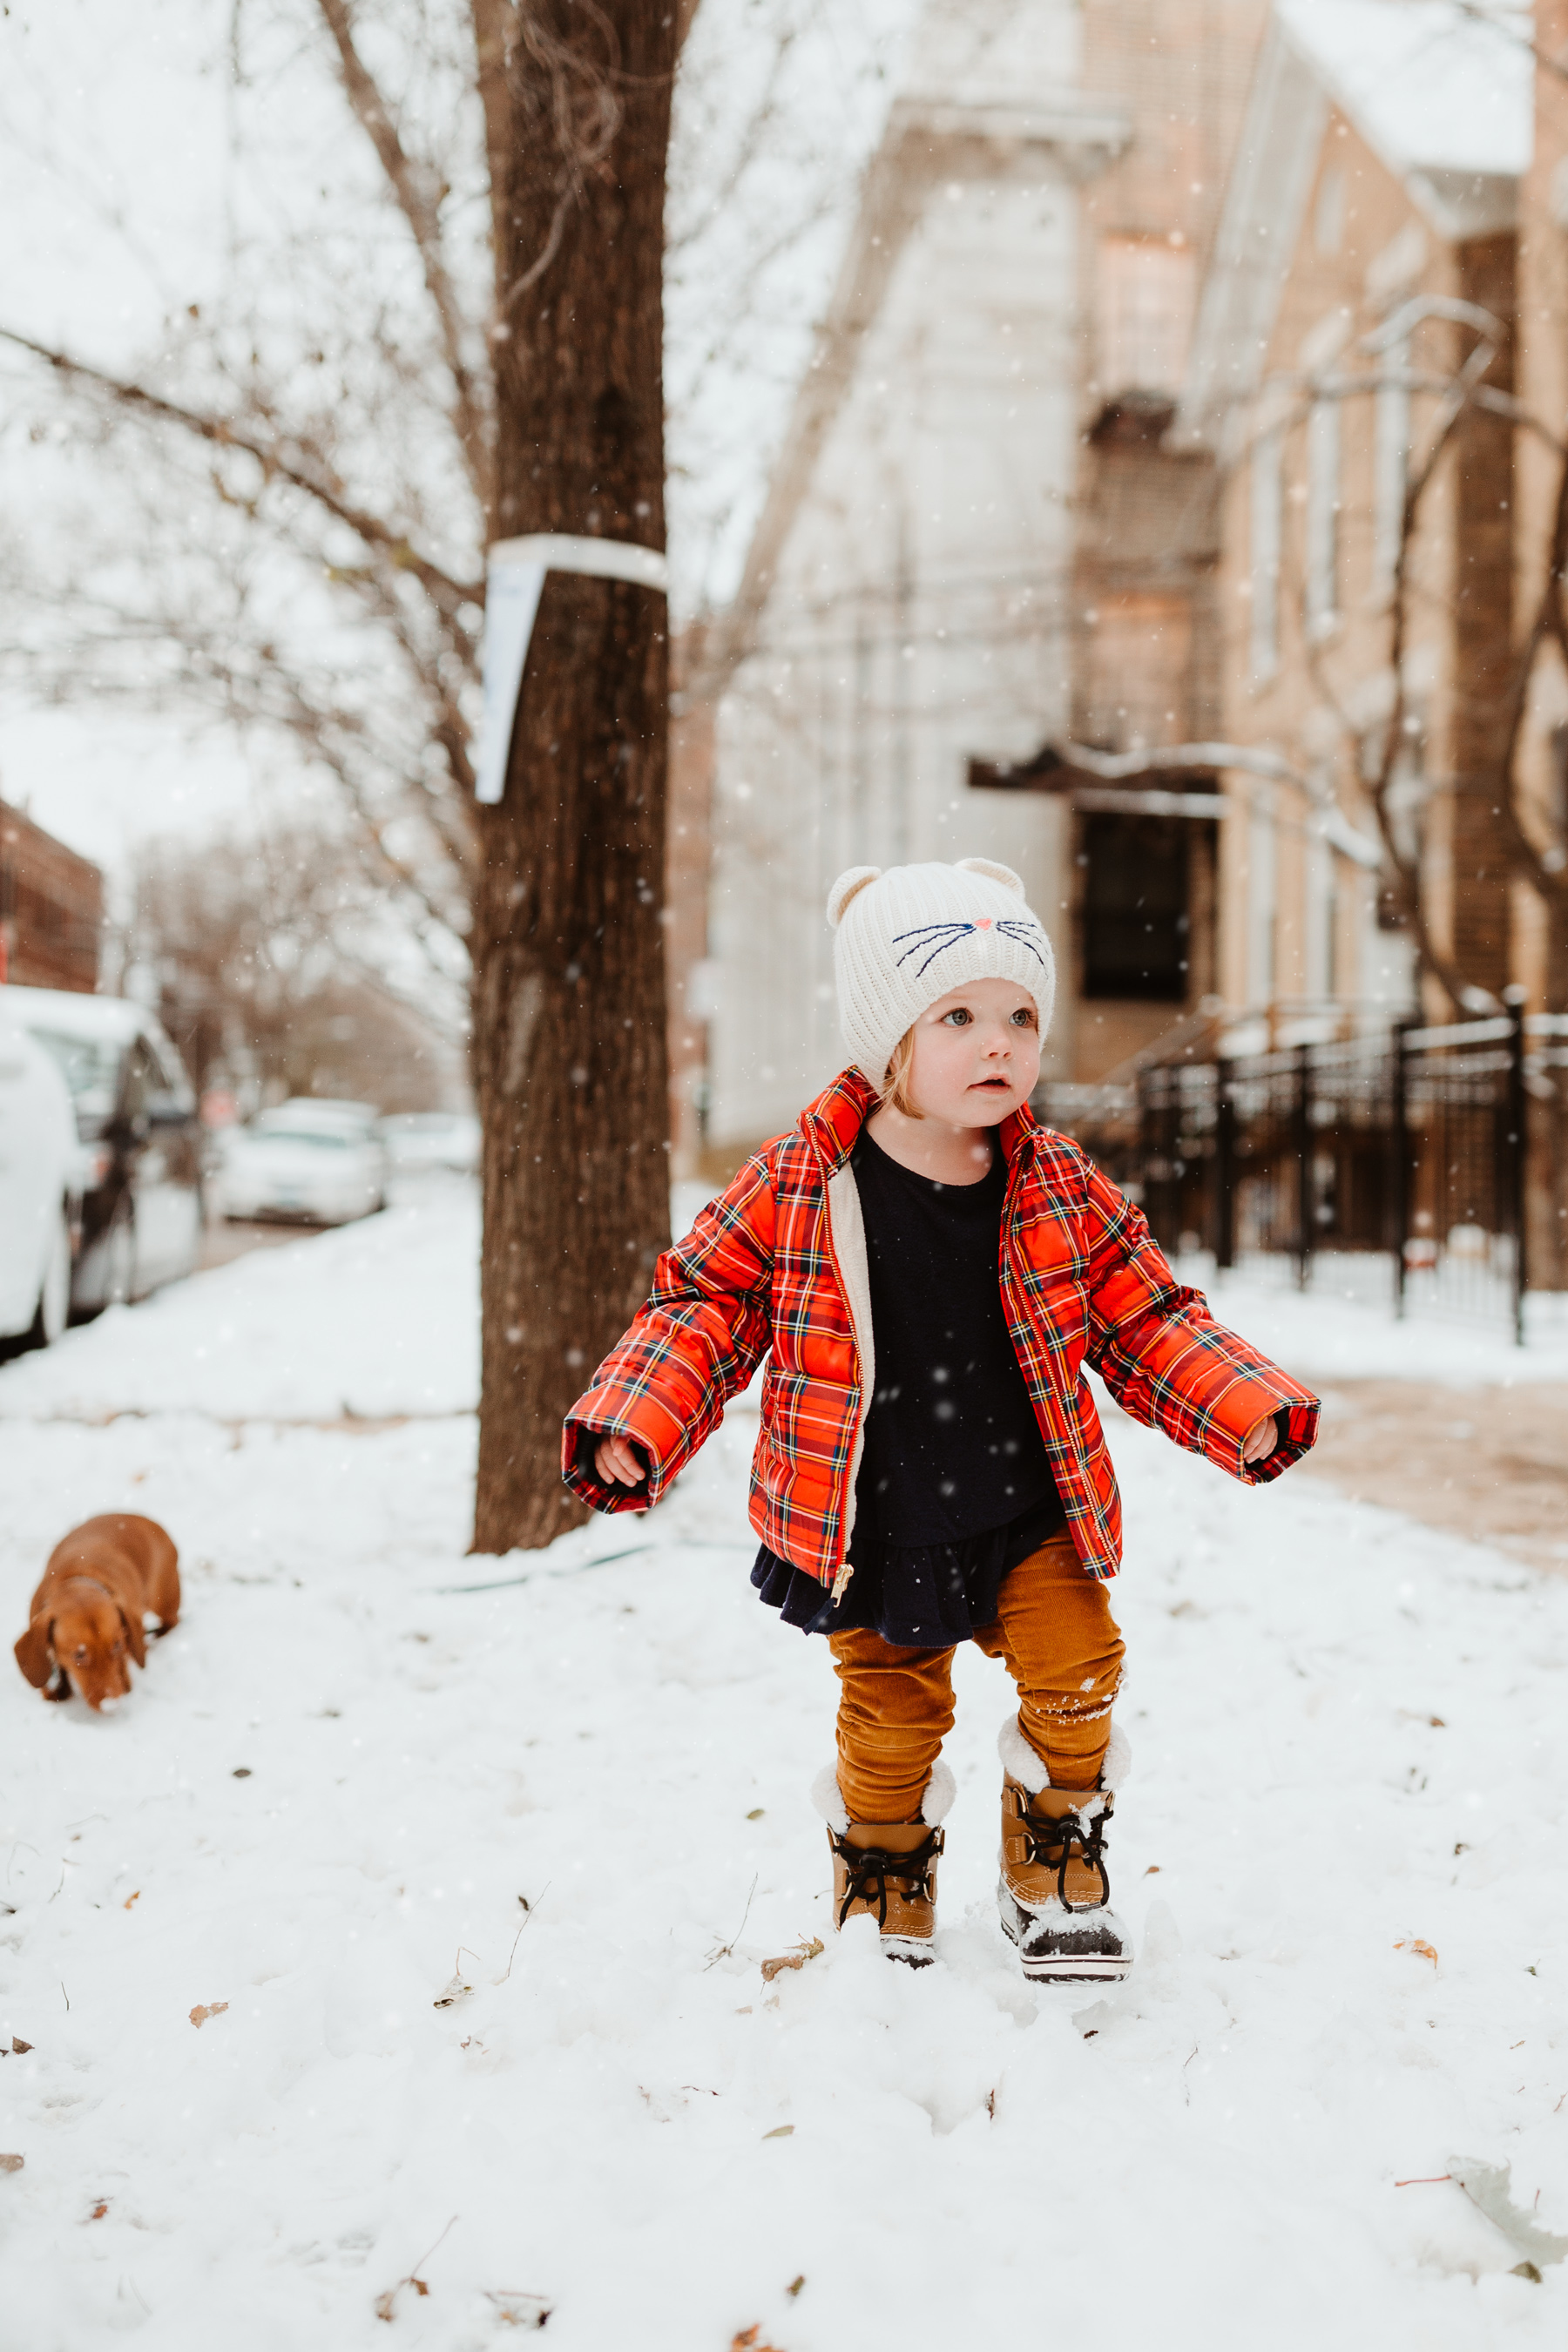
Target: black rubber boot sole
[{"x": 1058, "y": 1946}]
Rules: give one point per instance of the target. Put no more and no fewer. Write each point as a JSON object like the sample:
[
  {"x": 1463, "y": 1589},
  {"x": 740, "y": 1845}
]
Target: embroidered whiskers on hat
[{"x": 910, "y": 935}]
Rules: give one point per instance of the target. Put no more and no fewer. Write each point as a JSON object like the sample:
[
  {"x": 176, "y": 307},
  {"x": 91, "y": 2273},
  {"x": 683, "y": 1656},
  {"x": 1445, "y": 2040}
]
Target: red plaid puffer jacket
[{"x": 778, "y": 1261}]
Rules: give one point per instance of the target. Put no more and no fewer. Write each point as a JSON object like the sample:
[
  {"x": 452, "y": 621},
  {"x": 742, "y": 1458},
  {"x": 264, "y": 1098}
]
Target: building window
[
  {"x": 1324, "y": 515},
  {"x": 1267, "y": 529},
  {"x": 1146, "y": 293},
  {"x": 1137, "y": 670},
  {"x": 1135, "y": 908},
  {"x": 1391, "y": 460}
]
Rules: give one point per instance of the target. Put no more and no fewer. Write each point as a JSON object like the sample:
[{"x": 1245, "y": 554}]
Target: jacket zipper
[{"x": 843, "y": 1571}]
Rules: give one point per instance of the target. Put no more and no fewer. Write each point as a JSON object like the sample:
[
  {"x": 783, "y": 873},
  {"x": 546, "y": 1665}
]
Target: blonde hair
[{"x": 895, "y": 1086}]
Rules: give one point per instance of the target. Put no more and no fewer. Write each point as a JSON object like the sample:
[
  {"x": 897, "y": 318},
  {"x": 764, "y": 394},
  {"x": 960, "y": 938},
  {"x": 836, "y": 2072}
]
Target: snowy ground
[{"x": 336, "y": 1779}]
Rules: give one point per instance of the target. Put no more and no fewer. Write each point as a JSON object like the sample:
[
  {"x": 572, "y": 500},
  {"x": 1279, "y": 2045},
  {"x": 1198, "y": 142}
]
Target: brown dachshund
[{"x": 100, "y": 1582}]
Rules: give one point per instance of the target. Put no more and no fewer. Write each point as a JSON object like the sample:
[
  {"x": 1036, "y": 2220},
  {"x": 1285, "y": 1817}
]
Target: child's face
[{"x": 976, "y": 1053}]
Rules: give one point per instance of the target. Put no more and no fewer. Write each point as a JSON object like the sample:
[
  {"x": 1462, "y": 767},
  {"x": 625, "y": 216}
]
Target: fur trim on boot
[
  {"x": 1055, "y": 1892},
  {"x": 1029, "y": 1768},
  {"x": 935, "y": 1806},
  {"x": 826, "y": 1798}
]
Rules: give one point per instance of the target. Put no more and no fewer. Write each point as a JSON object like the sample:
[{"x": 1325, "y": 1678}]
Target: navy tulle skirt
[{"x": 917, "y": 1596}]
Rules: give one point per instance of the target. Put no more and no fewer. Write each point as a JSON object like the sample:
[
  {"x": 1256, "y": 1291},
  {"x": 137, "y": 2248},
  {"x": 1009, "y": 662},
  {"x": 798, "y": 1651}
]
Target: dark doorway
[{"x": 1137, "y": 907}]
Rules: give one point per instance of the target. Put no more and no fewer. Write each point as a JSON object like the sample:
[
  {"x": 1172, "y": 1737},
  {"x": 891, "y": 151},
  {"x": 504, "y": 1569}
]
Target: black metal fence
[{"x": 1411, "y": 1144}]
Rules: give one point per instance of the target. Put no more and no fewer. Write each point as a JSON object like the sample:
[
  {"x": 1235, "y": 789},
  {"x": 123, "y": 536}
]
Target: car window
[
  {"x": 90, "y": 1067},
  {"x": 172, "y": 1088}
]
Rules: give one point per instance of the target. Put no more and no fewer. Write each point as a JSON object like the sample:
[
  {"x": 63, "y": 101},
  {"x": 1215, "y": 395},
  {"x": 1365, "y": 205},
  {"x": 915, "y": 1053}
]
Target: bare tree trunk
[
  {"x": 1485, "y": 658},
  {"x": 568, "y": 943},
  {"x": 1550, "y": 1118}
]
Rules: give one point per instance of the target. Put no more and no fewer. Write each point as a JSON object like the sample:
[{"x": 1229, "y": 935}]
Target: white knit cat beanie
[{"x": 906, "y": 936}]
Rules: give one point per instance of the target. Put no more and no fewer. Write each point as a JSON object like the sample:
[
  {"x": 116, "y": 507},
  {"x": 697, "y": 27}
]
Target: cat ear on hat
[
  {"x": 988, "y": 865},
  {"x": 851, "y": 883}
]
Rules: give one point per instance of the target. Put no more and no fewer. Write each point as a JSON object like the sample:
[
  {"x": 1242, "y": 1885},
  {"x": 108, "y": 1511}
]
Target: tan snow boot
[
  {"x": 1055, "y": 1892},
  {"x": 888, "y": 1868}
]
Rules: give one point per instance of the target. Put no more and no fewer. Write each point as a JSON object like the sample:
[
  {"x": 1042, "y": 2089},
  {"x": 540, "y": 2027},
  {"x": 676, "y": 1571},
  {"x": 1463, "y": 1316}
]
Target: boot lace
[
  {"x": 872, "y": 1874},
  {"x": 1050, "y": 1845}
]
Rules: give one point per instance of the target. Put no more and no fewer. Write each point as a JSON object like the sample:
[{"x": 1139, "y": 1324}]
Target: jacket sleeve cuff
[
  {"x": 579, "y": 1441},
  {"x": 1295, "y": 1433}
]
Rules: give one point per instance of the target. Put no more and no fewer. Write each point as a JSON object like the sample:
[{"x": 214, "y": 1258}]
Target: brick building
[
  {"x": 1542, "y": 933},
  {"x": 1373, "y": 219},
  {"x": 51, "y": 909}
]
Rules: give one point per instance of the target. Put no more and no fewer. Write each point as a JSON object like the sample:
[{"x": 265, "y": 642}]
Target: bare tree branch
[
  {"x": 445, "y": 593},
  {"x": 752, "y": 141},
  {"x": 420, "y": 204},
  {"x": 1405, "y": 870},
  {"x": 547, "y": 253}
]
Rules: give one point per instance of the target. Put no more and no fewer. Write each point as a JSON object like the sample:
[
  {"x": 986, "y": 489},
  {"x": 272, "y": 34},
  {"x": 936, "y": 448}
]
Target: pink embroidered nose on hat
[{"x": 908, "y": 935}]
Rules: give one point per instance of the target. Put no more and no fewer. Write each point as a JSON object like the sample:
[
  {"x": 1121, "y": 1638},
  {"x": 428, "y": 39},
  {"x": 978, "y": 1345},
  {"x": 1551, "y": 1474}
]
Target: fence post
[
  {"x": 1303, "y": 1126},
  {"x": 1224, "y": 1166},
  {"x": 1517, "y": 1130},
  {"x": 1399, "y": 1152}
]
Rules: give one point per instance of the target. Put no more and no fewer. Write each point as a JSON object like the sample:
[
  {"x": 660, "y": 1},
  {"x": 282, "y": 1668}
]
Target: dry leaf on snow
[
  {"x": 1422, "y": 1951},
  {"x": 516, "y": 2309},
  {"x": 796, "y": 1960},
  {"x": 12, "y": 2163},
  {"x": 200, "y": 2014},
  {"x": 386, "y": 2304}
]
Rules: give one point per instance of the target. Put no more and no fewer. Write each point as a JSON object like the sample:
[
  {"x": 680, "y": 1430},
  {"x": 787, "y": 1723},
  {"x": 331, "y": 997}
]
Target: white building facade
[{"x": 907, "y": 602}]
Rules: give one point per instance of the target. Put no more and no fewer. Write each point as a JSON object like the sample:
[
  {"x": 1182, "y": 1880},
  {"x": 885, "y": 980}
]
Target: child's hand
[
  {"x": 615, "y": 1461},
  {"x": 1261, "y": 1441}
]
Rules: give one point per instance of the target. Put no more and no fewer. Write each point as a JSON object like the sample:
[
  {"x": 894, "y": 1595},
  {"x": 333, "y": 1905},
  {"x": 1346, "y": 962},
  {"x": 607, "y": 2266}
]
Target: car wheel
[{"x": 54, "y": 1291}]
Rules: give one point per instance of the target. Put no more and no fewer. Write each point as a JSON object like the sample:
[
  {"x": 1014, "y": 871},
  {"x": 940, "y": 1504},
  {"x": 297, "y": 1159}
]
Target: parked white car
[
  {"x": 324, "y": 1111},
  {"x": 302, "y": 1161},
  {"x": 140, "y": 1138},
  {"x": 39, "y": 1176},
  {"x": 419, "y": 1140}
]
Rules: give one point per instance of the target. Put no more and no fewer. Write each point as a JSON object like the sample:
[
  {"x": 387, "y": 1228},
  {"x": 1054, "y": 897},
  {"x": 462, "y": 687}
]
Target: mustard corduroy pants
[{"x": 1058, "y": 1640}]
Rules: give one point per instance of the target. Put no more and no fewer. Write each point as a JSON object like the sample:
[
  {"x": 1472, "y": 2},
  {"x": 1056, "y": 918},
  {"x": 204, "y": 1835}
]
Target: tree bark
[
  {"x": 569, "y": 999},
  {"x": 1485, "y": 662}
]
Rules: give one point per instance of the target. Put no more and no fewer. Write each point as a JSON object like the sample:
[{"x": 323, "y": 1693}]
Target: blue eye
[{"x": 960, "y": 1016}]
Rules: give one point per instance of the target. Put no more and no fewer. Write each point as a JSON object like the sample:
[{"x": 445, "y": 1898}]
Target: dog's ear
[
  {"x": 33, "y": 1651},
  {"x": 134, "y": 1636}
]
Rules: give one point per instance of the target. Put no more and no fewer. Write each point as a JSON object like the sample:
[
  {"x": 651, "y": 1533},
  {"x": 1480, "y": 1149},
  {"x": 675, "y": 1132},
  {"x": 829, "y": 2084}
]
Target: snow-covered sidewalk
[{"x": 1341, "y": 1851}]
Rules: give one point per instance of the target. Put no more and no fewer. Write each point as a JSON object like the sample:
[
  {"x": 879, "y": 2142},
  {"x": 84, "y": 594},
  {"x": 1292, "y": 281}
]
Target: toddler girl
[{"x": 928, "y": 1270}]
